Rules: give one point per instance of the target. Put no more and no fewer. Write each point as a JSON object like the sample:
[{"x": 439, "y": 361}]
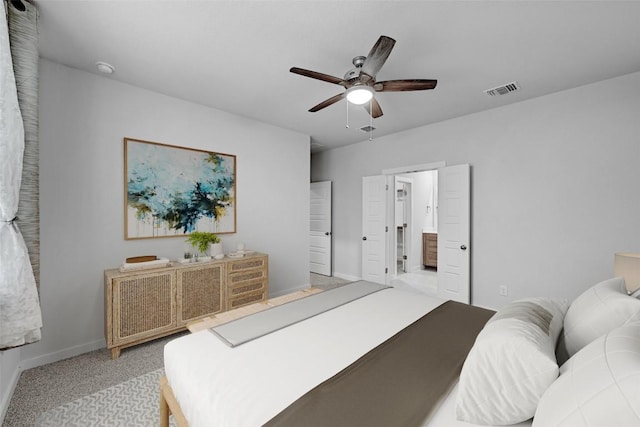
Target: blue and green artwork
[{"x": 172, "y": 191}]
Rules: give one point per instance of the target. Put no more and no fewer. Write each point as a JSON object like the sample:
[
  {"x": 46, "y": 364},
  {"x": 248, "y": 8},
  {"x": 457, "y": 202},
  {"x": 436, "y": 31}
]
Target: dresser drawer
[
  {"x": 253, "y": 284},
  {"x": 244, "y": 299},
  {"x": 247, "y": 281},
  {"x": 246, "y": 264}
]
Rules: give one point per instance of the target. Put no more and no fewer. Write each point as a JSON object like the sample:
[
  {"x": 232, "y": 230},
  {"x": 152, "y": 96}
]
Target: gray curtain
[
  {"x": 20, "y": 315},
  {"x": 23, "y": 37}
]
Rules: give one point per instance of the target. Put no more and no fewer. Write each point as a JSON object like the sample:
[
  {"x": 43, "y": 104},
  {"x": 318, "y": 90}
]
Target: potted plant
[{"x": 201, "y": 240}]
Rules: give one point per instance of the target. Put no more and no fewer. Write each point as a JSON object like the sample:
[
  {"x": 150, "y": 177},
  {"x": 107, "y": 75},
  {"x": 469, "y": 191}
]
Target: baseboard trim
[
  {"x": 4, "y": 405},
  {"x": 6, "y": 400},
  {"x": 62, "y": 354},
  {"x": 9, "y": 369}
]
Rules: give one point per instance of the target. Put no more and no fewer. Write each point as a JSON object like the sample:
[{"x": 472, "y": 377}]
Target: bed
[{"x": 336, "y": 366}]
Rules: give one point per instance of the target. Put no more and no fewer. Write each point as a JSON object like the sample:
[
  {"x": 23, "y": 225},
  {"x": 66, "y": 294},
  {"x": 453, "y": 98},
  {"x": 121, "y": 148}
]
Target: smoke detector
[
  {"x": 105, "y": 68},
  {"x": 503, "y": 90}
]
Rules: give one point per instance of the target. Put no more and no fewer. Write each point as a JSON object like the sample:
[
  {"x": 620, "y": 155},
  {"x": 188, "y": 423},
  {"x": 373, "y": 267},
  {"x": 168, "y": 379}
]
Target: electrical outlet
[{"x": 504, "y": 291}]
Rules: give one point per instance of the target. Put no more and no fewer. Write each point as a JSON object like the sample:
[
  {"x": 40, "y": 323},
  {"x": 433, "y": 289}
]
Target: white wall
[
  {"x": 554, "y": 187},
  {"x": 83, "y": 119}
]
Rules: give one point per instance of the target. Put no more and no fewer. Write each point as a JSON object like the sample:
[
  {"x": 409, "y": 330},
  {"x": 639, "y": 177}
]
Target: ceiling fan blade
[
  {"x": 375, "y": 111},
  {"x": 376, "y": 58},
  {"x": 404, "y": 85},
  {"x": 327, "y": 102},
  {"x": 319, "y": 76}
]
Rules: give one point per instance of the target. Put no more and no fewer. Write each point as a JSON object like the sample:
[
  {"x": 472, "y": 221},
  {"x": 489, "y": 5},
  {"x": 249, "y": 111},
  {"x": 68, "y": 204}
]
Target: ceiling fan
[{"x": 360, "y": 82}]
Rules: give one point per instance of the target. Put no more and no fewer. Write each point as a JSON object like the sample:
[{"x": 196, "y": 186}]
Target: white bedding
[
  {"x": 445, "y": 416},
  {"x": 250, "y": 384}
]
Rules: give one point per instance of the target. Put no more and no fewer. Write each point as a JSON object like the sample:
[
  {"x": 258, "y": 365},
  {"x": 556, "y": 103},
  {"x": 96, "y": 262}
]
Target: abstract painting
[{"x": 173, "y": 191}]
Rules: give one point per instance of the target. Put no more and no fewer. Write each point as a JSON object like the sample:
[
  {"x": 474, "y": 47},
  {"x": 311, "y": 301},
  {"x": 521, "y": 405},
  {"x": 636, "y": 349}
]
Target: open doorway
[
  {"x": 402, "y": 219},
  {"x": 416, "y": 231},
  {"x": 451, "y": 212}
]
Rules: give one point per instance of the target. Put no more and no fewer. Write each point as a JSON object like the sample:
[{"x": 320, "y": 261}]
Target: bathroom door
[{"x": 374, "y": 228}]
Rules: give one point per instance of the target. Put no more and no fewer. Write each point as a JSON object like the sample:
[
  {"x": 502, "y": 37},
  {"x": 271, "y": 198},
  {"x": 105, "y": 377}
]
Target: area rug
[{"x": 134, "y": 402}]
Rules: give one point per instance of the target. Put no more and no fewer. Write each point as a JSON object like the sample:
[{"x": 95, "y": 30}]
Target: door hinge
[
  {"x": 386, "y": 270},
  {"x": 386, "y": 187},
  {"x": 386, "y": 228},
  {"x": 404, "y": 257}
]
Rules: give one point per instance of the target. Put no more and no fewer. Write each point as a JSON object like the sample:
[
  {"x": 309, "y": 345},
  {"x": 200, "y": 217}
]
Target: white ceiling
[{"x": 236, "y": 55}]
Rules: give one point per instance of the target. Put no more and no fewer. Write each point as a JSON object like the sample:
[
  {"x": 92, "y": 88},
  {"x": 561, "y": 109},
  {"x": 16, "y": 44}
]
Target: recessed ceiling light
[{"x": 105, "y": 68}]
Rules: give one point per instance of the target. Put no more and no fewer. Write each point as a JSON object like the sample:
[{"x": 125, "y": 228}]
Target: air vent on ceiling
[
  {"x": 504, "y": 89},
  {"x": 367, "y": 129}
]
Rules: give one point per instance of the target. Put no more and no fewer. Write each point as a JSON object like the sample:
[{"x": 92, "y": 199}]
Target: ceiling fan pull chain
[
  {"x": 371, "y": 120},
  {"x": 347, "y": 115}
]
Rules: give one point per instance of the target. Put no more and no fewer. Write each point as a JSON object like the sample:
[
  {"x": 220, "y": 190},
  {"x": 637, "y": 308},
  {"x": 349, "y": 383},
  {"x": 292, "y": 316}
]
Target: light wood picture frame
[{"x": 171, "y": 191}]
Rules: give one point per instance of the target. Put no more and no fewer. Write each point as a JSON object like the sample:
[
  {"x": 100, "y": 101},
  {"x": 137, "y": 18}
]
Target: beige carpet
[
  {"x": 46, "y": 387},
  {"x": 326, "y": 282},
  {"x": 130, "y": 403}
]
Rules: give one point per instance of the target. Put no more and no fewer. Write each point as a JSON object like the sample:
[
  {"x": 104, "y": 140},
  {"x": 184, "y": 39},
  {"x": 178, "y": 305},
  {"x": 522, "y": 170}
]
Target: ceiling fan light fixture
[{"x": 359, "y": 95}]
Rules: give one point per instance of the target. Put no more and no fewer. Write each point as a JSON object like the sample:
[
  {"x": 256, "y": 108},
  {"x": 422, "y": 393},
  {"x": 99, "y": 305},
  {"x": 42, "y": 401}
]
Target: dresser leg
[{"x": 115, "y": 352}]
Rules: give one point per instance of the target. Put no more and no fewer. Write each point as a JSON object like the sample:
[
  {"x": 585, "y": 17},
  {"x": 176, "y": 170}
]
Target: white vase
[{"x": 216, "y": 249}]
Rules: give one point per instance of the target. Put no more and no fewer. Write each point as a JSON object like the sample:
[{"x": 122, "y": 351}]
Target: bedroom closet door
[
  {"x": 454, "y": 214},
  {"x": 374, "y": 228},
  {"x": 320, "y": 228}
]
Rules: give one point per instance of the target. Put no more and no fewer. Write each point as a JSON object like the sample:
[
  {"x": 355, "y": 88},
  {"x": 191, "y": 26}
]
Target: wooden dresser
[
  {"x": 430, "y": 249},
  {"x": 142, "y": 305}
]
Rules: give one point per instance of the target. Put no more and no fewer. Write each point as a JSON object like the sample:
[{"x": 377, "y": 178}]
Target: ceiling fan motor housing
[
  {"x": 354, "y": 73},
  {"x": 358, "y": 61}
]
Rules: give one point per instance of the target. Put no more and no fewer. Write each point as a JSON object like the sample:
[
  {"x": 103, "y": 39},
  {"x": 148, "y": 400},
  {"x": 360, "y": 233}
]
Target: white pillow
[
  {"x": 597, "y": 311},
  {"x": 599, "y": 386},
  {"x": 511, "y": 363}
]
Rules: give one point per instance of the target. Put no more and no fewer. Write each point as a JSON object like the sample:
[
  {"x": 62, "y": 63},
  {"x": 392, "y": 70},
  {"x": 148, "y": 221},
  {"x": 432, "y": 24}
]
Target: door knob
[
  {"x": 327, "y": 233},
  {"x": 463, "y": 247},
  {"x": 364, "y": 238}
]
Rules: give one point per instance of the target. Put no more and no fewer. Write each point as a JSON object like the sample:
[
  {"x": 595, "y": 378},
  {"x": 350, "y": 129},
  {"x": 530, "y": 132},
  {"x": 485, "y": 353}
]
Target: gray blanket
[{"x": 265, "y": 322}]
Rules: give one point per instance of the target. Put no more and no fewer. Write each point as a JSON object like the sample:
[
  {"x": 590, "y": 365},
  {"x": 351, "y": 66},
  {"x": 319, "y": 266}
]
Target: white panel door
[
  {"x": 454, "y": 216},
  {"x": 374, "y": 222},
  {"x": 320, "y": 228}
]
